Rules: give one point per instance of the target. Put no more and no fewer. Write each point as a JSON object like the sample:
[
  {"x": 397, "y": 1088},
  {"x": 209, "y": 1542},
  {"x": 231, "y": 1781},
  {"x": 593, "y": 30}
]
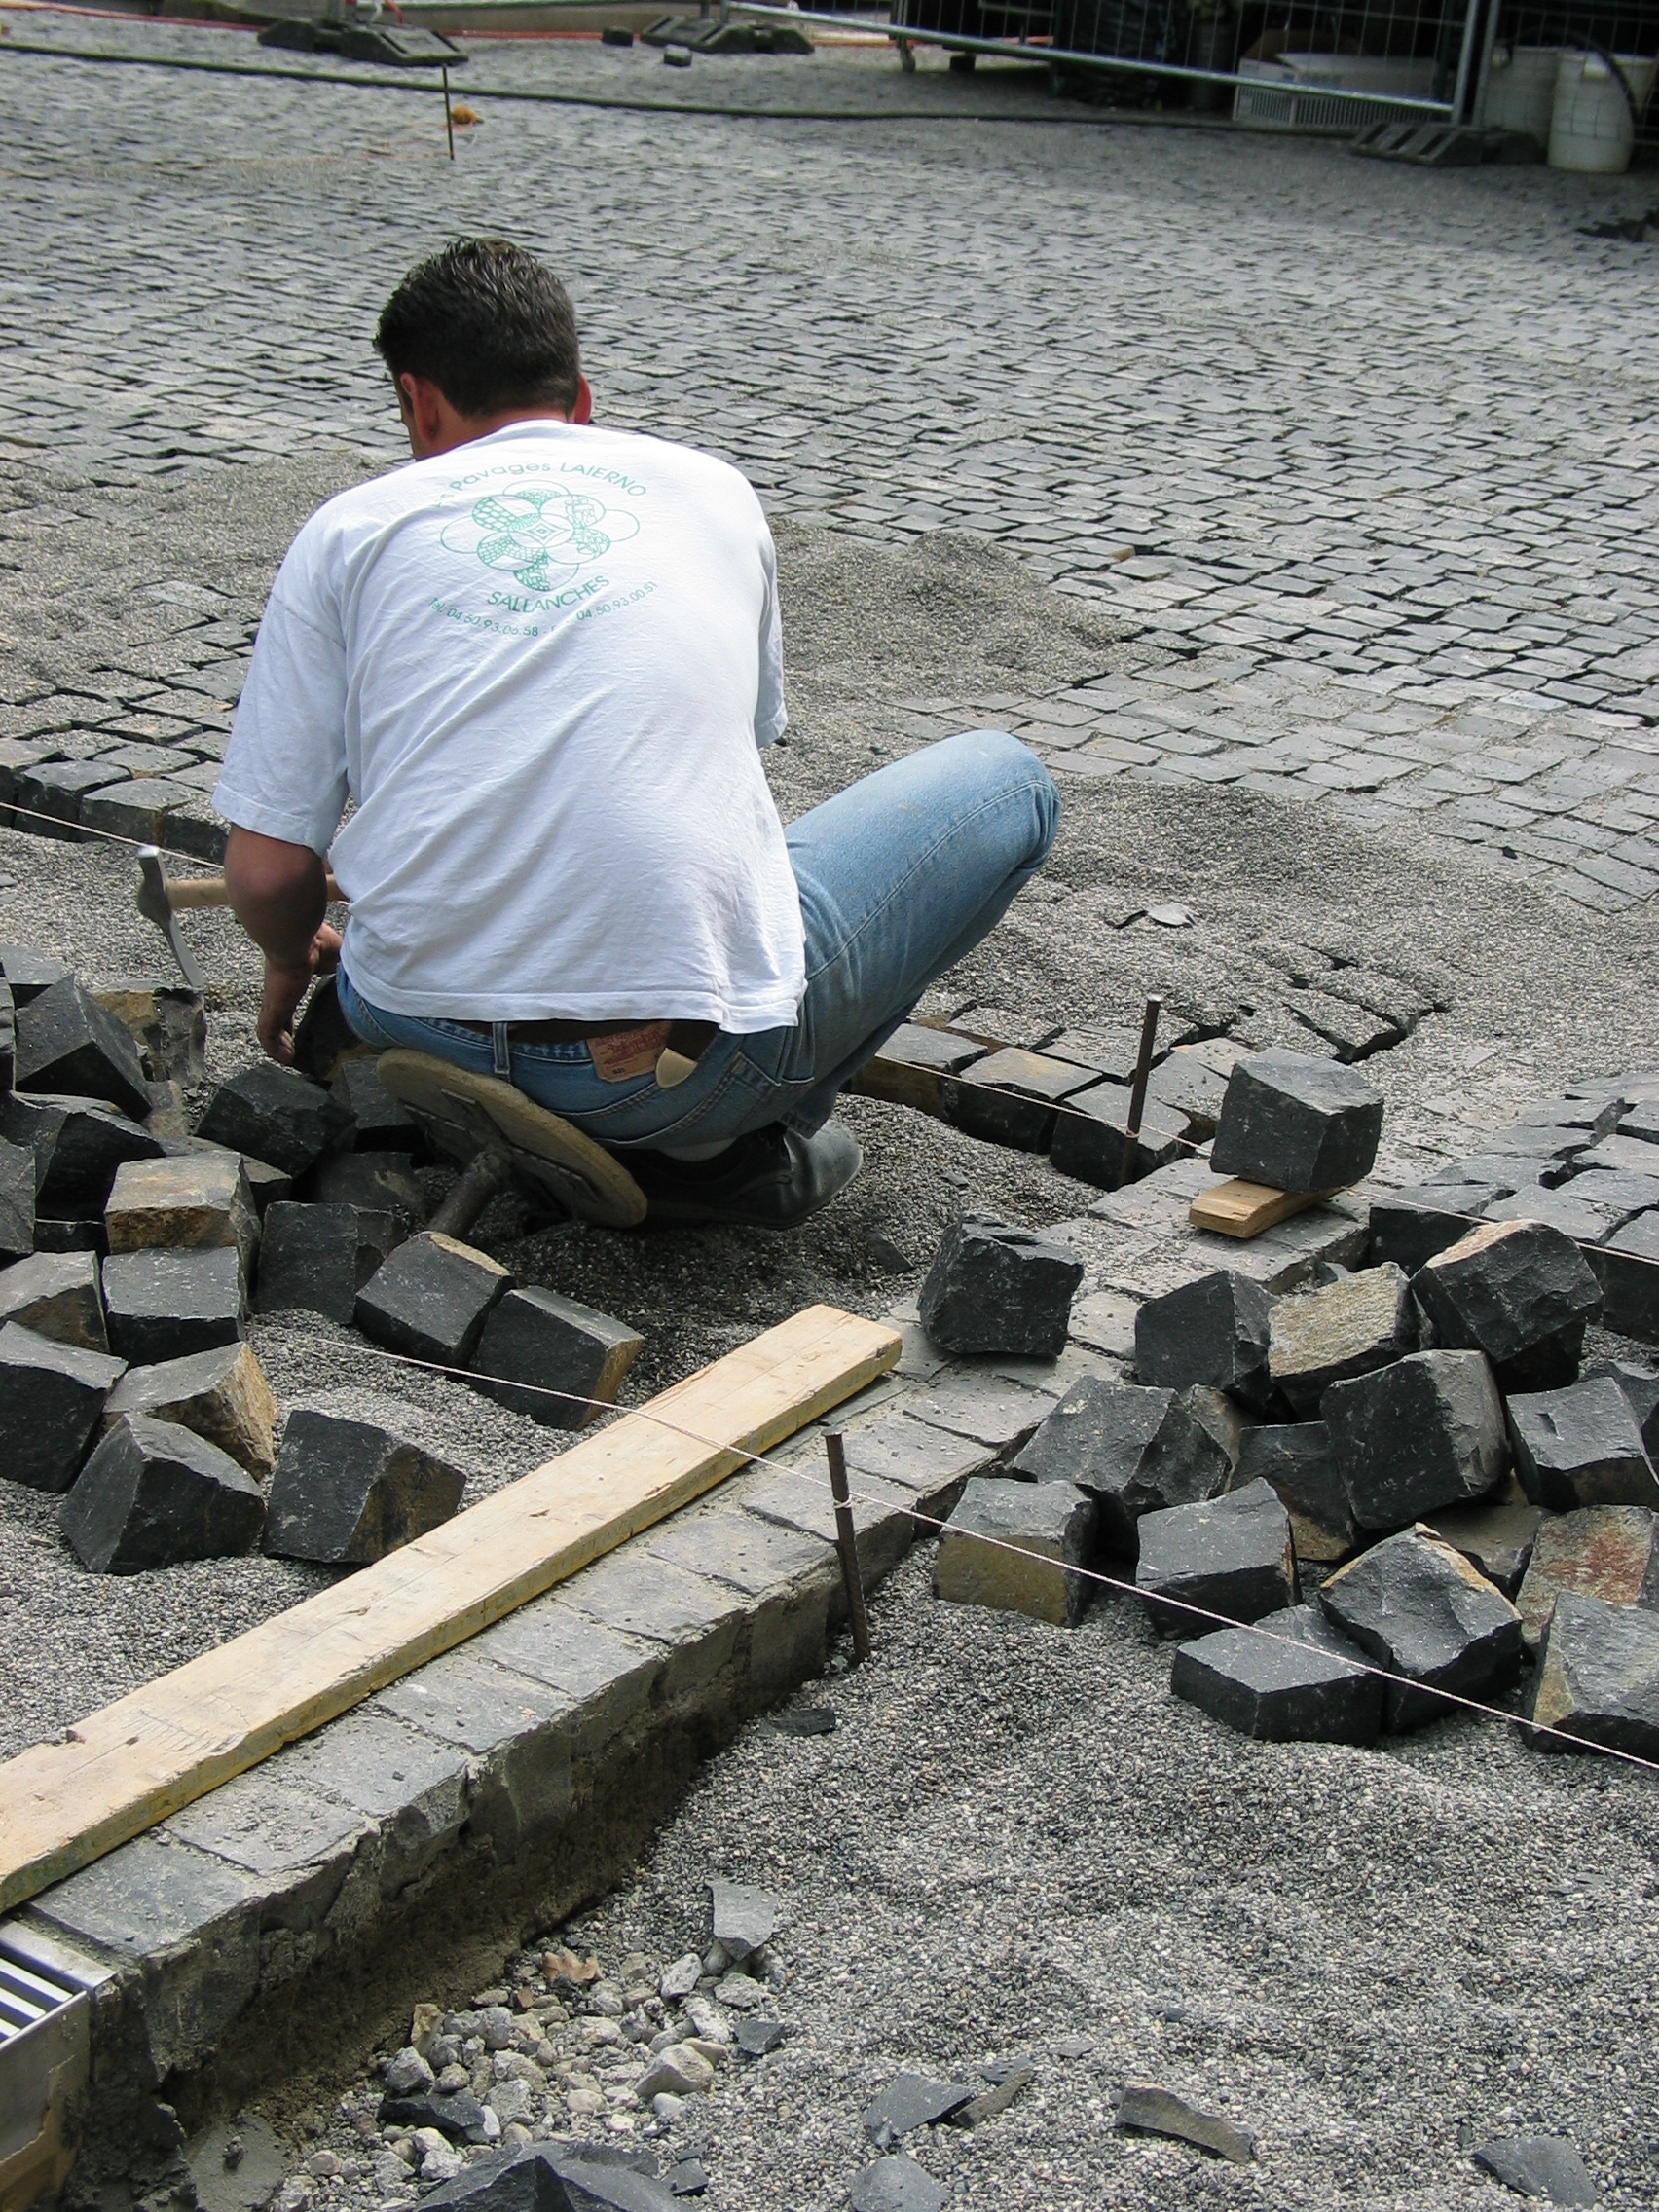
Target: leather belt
[
  {"x": 690, "y": 1038},
  {"x": 668, "y": 1049}
]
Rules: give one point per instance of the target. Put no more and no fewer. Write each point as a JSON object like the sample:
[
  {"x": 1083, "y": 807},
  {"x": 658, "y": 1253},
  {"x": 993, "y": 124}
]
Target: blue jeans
[{"x": 900, "y": 876}]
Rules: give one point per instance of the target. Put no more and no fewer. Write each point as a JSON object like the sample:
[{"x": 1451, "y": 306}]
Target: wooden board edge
[
  {"x": 19, "y": 1883},
  {"x": 1225, "y": 1211}
]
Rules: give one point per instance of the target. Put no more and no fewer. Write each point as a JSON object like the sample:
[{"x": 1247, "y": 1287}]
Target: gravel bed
[{"x": 1016, "y": 1845}]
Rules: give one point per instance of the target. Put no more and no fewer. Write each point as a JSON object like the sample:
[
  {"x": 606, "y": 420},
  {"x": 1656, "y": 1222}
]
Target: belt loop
[{"x": 501, "y": 1049}]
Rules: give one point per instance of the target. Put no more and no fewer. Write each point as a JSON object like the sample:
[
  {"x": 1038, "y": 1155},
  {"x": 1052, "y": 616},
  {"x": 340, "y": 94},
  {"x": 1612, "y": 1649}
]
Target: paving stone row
[{"x": 1363, "y": 456}]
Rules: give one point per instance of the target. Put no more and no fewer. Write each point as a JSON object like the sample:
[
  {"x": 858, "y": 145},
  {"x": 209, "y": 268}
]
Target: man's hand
[
  {"x": 285, "y": 986},
  {"x": 279, "y": 895}
]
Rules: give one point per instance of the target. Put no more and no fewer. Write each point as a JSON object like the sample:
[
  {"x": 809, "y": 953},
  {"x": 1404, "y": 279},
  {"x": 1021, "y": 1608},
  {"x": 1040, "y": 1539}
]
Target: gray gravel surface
[{"x": 1016, "y": 1846}]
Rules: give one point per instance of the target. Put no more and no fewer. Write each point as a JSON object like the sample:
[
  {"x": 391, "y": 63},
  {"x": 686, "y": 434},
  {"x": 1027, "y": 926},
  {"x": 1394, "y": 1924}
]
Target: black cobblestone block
[
  {"x": 1296, "y": 1460},
  {"x": 153, "y": 1493},
  {"x": 1296, "y": 1681},
  {"x": 379, "y": 1123},
  {"x": 1213, "y": 1331},
  {"x": 1581, "y": 1446},
  {"x": 1626, "y": 1267},
  {"x": 56, "y": 1295},
  {"x": 164, "y": 1305},
  {"x": 27, "y": 971},
  {"x": 534, "y": 1337},
  {"x": 51, "y": 1396},
  {"x": 430, "y": 1300},
  {"x": 994, "y": 1288},
  {"x": 1422, "y": 1434},
  {"x": 1423, "y": 1612},
  {"x": 1297, "y": 1124},
  {"x": 1348, "y": 1327},
  {"x": 68, "y": 1042},
  {"x": 347, "y": 1491},
  {"x": 1597, "y": 1678},
  {"x": 378, "y": 1182},
  {"x": 78, "y": 1144},
  {"x": 1009, "y": 1097},
  {"x": 1135, "y": 1450},
  {"x": 48, "y": 798},
  {"x": 1518, "y": 1291},
  {"x": 1229, "y": 1555},
  {"x": 276, "y": 1116},
  {"x": 1409, "y": 1225},
  {"x": 316, "y": 1258}
]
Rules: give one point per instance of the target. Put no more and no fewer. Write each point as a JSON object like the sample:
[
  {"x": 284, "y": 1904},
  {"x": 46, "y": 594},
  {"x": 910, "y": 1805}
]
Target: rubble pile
[
  {"x": 136, "y": 1247},
  {"x": 1401, "y": 1482}
]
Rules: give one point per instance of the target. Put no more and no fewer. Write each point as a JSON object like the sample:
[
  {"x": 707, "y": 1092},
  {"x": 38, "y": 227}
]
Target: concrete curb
[{"x": 315, "y": 1897}]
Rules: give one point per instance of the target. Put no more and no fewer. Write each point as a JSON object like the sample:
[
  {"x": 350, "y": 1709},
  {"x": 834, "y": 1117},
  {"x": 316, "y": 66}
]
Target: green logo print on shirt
[{"x": 541, "y": 535}]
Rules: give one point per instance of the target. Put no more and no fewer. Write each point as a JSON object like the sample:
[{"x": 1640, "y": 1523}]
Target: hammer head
[{"x": 152, "y": 900}]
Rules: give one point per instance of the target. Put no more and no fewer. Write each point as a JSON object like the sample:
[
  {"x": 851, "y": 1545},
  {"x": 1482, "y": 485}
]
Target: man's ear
[{"x": 583, "y": 411}]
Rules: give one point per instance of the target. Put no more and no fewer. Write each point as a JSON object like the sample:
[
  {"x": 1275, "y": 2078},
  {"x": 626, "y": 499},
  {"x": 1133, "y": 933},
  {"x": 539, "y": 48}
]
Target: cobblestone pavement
[{"x": 1363, "y": 456}]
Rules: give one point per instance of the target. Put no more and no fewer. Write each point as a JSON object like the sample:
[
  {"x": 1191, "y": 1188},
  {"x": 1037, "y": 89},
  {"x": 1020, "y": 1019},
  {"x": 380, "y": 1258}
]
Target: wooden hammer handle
[{"x": 185, "y": 891}]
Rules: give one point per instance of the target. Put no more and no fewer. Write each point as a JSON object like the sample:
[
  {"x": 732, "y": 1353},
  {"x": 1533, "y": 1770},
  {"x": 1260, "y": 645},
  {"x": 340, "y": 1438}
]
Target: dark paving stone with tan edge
[
  {"x": 560, "y": 1362},
  {"x": 316, "y": 1259},
  {"x": 1497, "y": 1538},
  {"x": 1519, "y": 1291},
  {"x": 1089, "y": 1137},
  {"x": 1214, "y": 1331},
  {"x": 69, "y": 1043},
  {"x": 78, "y": 1144},
  {"x": 277, "y": 1116},
  {"x": 1345, "y": 1328},
  {"x": 1603, "y": 1551},
  {"x": 1292, "y": 1679},
  {"x": 430, "y": 1299},
  {"x": 1422, "y": 1610},
  {"x": 1016, "y": 1547},
  {"x": 994, "y": 1288},
  {"x": 1596, "y": 1679},
  {"x": 165, "y": 1304},
  {"x": 153, "y": 1495},
  {"x": 58, "y": 1295},
  {"x": 1415, "y": 1437},
  {"x": 52, "y": 1397},
  {"x": 48, "y": 797},
  {"x": 1580, "y": 1446},
  {"x": 1296, "y": 1458},
  {"x": 1135, "y": 1449},
  {"x": 1641, "y": 1386},
  {"x": 16, "y": 1201},
  {"x": 1297, "y": 1124},
  {"x": 1229, "y": 1555},
  {"x": 188, "y": 1202},
  {"x": 347, "y": 1491},
  {"x": 221, "y": 1395}
]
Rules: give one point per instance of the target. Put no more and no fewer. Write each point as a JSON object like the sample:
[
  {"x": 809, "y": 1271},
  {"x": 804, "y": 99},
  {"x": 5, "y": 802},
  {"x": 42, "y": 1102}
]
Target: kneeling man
[{"x": 540, "y": 662}]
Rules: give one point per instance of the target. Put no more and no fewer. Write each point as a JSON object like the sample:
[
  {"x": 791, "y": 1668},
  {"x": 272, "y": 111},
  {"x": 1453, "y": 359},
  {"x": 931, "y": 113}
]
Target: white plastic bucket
[
  {"x": 1591, "y": 129},
  {"x": 1520, "y": 89}
]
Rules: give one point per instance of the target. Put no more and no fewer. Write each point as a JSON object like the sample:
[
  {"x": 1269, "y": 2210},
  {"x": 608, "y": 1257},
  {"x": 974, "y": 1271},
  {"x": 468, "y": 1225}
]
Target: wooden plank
[
  {"x": 134, "y": 1762},
  {"x": 1241, "y": 1209}
]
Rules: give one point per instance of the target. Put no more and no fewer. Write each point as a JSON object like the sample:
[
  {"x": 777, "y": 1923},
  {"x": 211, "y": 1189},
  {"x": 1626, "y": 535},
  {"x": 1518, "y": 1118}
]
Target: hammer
[{"x": 159, "y": 899}]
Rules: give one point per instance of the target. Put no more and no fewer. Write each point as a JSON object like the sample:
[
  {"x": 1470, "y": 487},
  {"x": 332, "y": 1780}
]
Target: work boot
[{"x": 771, "y": 1179}]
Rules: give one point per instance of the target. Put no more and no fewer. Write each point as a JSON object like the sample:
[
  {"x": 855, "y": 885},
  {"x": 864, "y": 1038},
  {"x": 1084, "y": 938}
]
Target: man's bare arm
[{"x": 279, "y": 895}]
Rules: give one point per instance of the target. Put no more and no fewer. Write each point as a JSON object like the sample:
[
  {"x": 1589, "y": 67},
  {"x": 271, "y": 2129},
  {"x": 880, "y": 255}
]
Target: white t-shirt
[{"x": 541, "y": 666}]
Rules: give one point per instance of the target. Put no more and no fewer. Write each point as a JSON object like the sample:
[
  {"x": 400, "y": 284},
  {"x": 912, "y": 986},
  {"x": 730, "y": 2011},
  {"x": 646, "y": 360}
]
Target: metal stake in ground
[
  {"x": 449, "y": 119},
  {"x": 847, "y": 1544},
  {"x": 1137, "y": 1095}
]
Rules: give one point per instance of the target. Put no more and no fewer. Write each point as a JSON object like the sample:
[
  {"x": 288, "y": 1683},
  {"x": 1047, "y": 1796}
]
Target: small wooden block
[{"x": 1244, "y": 1209}]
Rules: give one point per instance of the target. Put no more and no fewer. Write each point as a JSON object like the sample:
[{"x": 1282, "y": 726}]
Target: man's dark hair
[{"x": 488, "y": 325}]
